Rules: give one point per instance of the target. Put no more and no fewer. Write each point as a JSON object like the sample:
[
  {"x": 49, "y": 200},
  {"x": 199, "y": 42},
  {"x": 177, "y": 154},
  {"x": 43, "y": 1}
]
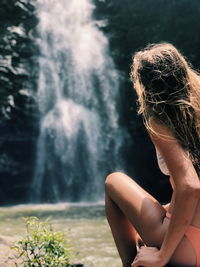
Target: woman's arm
[
  {"x": 185, "y": 197},
  {"x": 186, "y": 194},
  {"x": 183, "y": 211}
]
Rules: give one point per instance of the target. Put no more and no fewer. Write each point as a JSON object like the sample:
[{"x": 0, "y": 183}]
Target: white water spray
[{"x": 79, "y": 141}]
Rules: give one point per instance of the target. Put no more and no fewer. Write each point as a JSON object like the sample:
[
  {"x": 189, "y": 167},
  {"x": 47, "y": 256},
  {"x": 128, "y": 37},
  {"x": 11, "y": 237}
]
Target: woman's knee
[
  {"x": 115, "y": 181},
  {"x": 112, "y": 178},
  {"x": 111, "y": 181}
]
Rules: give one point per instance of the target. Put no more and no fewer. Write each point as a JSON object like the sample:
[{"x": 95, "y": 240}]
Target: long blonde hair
[{"x": 168, "y": 90}]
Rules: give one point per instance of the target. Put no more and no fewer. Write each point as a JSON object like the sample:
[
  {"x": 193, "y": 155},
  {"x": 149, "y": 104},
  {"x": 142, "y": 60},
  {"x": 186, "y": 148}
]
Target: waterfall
[{"x": 78, "y": 98}]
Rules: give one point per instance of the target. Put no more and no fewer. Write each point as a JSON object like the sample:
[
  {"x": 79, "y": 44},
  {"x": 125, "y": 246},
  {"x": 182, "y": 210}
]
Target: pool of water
[{"x": 84, "y": 225}]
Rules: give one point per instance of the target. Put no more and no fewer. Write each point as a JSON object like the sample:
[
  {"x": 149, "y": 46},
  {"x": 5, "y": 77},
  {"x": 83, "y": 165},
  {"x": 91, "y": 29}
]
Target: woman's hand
[{"x": 148, "y": 257}]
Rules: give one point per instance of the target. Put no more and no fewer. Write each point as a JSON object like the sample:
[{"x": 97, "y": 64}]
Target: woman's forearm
[{"x": 183, "y": 211}]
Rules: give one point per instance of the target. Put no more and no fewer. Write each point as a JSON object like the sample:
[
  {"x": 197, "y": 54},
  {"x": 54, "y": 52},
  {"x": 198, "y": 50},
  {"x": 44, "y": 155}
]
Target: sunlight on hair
[{"x": 168, "y": 91}]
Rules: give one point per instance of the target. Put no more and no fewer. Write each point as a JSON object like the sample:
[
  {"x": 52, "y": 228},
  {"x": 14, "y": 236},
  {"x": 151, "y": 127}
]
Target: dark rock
[{"x": 17, "y": 102}]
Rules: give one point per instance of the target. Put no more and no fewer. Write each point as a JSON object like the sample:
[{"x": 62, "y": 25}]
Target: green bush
[{"x": 42, "y": 247}]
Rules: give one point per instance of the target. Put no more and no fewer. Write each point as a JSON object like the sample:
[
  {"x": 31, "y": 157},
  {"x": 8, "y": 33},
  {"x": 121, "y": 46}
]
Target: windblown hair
[{"x": 168, "y": 90}]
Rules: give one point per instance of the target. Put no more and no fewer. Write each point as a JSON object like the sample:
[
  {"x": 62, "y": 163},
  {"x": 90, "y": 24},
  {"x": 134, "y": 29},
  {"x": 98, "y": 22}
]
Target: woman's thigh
[
  {"x": 144, "y": 212},
  {"x": 147, "y": 216}
]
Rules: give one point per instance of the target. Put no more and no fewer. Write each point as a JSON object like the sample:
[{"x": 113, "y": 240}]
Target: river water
[{"x": 84, "y": 225}]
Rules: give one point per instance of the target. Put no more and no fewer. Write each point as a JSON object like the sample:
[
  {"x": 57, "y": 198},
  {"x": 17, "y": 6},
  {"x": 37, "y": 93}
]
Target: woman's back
[{"x": 164, "y": 169}]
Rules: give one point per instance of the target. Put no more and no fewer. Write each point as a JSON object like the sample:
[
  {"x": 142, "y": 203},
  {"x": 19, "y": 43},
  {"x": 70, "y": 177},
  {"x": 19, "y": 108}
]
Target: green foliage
[{"x": 42, "y": 247}]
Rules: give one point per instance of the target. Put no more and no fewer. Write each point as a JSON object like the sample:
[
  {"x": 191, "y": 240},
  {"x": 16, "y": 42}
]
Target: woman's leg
[
  {"x": 123, "y": 232},
  {"x": 129, "y": 208}
]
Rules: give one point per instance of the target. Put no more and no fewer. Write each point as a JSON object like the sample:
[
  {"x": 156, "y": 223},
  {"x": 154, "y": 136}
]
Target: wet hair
[{"x": 168, "y": 91}]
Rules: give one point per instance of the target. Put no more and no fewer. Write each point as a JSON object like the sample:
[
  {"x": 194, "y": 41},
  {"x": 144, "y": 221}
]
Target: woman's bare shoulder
[
  {"x": 160, "y": 131},
  {"x": 176, "y": 158}
]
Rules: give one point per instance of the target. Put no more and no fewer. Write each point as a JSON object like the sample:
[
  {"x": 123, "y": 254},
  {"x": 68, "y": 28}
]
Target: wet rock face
[
  {"x": 16, "y": 54},
  {"x": 18, "y": 126}
]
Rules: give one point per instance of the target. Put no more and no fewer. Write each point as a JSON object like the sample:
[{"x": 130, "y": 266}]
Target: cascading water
[{"x": 80, "y": 140}]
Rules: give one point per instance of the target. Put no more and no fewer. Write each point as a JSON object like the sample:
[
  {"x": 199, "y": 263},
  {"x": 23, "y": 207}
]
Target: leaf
[{"x": 42, "y": 246}]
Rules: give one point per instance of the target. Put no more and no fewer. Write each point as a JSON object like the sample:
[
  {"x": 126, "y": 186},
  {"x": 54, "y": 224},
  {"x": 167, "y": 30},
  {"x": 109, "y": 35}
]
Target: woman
[{"x": 168, "y": 92}]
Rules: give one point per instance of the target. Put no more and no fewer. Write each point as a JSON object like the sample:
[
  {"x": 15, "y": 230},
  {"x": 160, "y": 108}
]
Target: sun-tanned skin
[{"x": 129, "y": 208}]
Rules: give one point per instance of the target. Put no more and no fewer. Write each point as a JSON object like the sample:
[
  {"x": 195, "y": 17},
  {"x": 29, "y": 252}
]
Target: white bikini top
[{"x": 161, "y": 163}]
